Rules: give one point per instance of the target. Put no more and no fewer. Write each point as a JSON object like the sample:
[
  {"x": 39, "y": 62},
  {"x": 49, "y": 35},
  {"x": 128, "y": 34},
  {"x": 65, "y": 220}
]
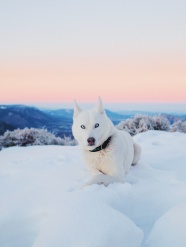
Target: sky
[{"x": 124, "y": 51}]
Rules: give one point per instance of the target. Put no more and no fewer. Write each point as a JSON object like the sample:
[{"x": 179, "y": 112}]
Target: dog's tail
[
  {"x": 103, "y": 179},
  {"x": 137, "y": 154}
]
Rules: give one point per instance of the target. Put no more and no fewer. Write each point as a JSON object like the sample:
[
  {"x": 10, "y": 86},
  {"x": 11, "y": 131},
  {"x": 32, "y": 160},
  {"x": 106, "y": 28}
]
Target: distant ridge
[
  {"x": 4, "y": 127},
  {"x": 59, "y": 121},
  {"x": 21, "y": 116}
]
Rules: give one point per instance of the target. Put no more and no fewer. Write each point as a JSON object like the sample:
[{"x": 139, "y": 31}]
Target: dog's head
[{"x": 91, "y": 127}]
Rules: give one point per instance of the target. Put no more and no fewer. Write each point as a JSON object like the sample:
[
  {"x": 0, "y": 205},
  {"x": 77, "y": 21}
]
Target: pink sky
[
  {"x": 123, "y": 51},
  {"x": 123, "y": 81}
]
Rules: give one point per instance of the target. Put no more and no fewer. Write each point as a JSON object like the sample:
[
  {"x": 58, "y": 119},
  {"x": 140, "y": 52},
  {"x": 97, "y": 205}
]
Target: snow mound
[
  {"x": 170, "y": 229},
  {"x": 43, "y": 205}
]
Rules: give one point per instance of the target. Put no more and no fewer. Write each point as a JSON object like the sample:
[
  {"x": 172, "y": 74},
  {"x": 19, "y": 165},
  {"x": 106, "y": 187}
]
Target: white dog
[{"x": 108, "y": 152}]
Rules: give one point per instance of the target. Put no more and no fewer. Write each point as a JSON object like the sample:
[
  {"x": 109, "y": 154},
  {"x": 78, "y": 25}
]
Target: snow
[
  {"x": 43, "y": 204},
  {"x": 170, "y": 229}
]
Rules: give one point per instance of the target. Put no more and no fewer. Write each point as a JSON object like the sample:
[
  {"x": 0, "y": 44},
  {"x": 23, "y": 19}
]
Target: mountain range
[{"x": 59, "y": 121}]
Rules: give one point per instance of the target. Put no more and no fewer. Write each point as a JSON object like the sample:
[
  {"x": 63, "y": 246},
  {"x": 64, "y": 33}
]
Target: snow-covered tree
[
  {"x": 179, "y": 126},
  {"x": 28, "y": 137},
  {"x": 161, "y": 123},
  {"x": 142, "y": 123}
]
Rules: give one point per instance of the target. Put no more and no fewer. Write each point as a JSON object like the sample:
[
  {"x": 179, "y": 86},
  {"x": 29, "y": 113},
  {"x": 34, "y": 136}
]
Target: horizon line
[{"x": 172, "y": 107}]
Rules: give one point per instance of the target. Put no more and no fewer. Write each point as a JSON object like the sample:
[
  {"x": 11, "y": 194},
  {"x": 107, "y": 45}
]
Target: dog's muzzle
[{"x": 91, "y": 141}]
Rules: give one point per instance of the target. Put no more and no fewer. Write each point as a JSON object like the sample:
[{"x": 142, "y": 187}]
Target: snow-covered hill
[{"x": 42, "y": 203}]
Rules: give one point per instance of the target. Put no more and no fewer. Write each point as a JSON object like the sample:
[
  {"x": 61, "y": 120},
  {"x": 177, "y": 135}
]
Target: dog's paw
[{"x": 101, "y": 179}]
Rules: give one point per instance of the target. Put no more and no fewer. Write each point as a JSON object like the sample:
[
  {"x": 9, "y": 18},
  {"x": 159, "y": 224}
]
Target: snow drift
[{"x": 43, "y": 205}]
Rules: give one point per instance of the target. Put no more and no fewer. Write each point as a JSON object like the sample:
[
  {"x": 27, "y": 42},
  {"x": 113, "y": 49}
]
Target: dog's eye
[
  {"x": 96, "y": 125},
  {"x": 83, "y": 126}
]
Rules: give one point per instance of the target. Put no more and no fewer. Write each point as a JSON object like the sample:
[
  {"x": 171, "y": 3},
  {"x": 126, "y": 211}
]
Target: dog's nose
[{"x": 91, "y": 141}]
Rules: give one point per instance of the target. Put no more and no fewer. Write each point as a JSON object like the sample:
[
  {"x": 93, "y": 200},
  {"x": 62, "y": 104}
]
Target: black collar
[{"x": 103, "y": 146}]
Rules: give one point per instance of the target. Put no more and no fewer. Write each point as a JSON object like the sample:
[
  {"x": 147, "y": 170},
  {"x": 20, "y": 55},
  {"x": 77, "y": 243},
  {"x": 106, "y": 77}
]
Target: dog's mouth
[{"x": 91, "y": 145}]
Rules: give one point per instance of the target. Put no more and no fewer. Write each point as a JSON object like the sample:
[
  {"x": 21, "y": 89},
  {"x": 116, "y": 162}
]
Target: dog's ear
[
  {"x": 99, "y": 106},
  {"x": 77, "y": 109}
]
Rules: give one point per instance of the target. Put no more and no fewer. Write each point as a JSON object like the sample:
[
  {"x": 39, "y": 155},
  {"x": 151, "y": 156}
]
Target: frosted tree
[
  {"x": 179, "y": 126},
  {"x": 161, "y": 123},
  {"x": 32, "y": 136},
  {"x": 142, "y": 123}
]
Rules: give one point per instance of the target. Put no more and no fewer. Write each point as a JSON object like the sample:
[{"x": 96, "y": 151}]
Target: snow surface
[{"x": 43, "y": 205}]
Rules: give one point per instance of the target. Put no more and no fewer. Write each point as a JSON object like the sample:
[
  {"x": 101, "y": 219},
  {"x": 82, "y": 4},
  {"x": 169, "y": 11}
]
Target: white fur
[{"x": 112, "y": 163}]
